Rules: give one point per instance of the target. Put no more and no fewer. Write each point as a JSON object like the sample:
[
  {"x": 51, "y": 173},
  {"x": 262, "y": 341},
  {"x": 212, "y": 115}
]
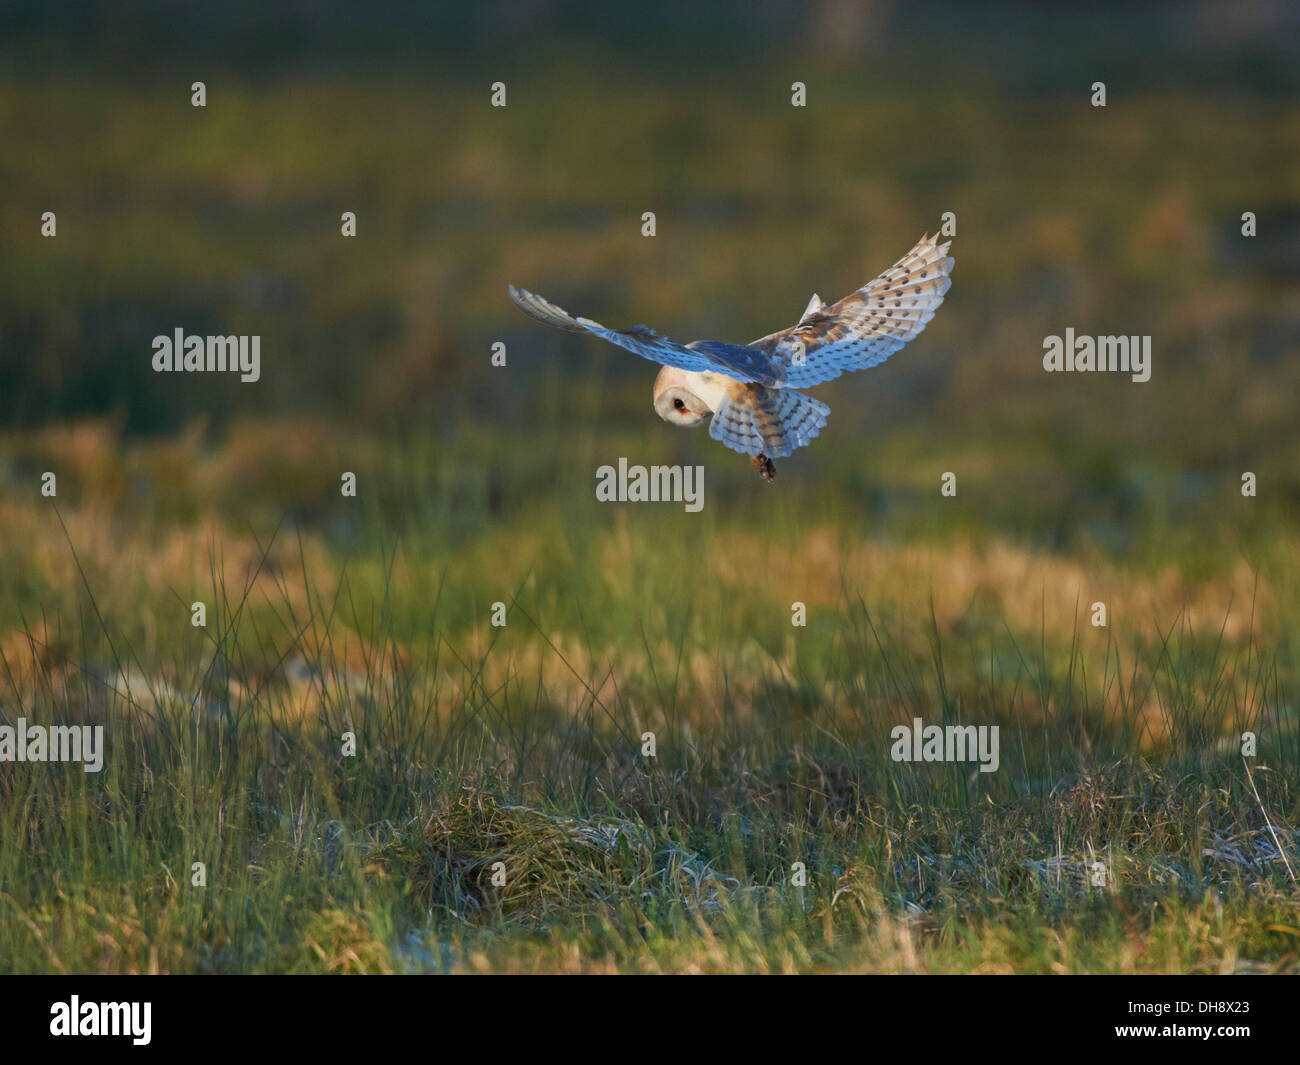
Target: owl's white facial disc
[
  {"x": 681, "y": 407},
  {"x": 678, "y": 399}
]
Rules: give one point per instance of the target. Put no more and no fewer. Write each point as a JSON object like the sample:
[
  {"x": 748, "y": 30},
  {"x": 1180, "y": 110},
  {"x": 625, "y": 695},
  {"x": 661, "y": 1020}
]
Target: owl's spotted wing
[
  {"x": 767, "y": 421},
  {"x": 867, "y": 326},
  {"x": 734, "y": 360},
  {"x": 859, "y": 331}
]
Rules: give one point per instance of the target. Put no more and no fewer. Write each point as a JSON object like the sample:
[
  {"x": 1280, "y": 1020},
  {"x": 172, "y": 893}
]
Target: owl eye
[{"x": 679, "y": 404}]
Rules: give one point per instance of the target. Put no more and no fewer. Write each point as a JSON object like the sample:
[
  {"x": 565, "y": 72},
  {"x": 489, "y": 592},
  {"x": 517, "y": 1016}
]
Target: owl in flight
[{"x": 750, "y": 389}]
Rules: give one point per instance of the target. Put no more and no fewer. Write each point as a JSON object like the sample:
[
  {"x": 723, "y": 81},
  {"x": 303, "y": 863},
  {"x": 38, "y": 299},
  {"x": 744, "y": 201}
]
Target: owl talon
[{"x": 765, "y": 467}]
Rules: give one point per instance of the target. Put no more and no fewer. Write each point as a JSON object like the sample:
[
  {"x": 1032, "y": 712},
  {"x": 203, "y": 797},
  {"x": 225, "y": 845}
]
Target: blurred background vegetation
[
  {"x": 476, "y": 483},
  {"x": 376, "y": 349},
  {"x": 226, "y": 219}
]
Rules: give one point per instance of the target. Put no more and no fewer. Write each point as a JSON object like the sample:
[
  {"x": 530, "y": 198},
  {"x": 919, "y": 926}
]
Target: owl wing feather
[
  {"x": 865, "y": 327},
  {"x": 734, "y": 360}
]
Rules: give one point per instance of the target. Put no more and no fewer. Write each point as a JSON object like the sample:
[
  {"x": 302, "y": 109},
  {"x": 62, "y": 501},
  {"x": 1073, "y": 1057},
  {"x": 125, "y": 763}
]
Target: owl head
[{"x": 674, "y": 400}]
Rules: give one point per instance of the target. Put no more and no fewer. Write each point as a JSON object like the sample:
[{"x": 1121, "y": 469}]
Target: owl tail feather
[{"x": 768, "y": 421}]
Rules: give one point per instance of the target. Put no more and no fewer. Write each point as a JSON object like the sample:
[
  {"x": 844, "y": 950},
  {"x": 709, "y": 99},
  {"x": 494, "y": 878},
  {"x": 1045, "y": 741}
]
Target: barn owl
[{"x": 750, "y": 390}]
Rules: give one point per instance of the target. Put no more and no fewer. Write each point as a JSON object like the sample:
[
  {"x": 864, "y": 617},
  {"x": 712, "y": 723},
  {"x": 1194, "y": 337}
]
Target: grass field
[
  {"x": 1123, "y": 831},
  {"x": 523, "y": 744}
]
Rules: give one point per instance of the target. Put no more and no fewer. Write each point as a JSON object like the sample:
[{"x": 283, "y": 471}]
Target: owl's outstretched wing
[
  {"x": 861, "y": 330},
  {"x": 767, "y": 421},
  {"x": 733, "y": 360},
  {"x": 867, "y": 326}
]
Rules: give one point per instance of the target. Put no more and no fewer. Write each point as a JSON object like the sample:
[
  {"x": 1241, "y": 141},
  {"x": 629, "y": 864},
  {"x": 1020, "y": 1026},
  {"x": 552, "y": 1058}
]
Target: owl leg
[{"x": 764, "y": 466}]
